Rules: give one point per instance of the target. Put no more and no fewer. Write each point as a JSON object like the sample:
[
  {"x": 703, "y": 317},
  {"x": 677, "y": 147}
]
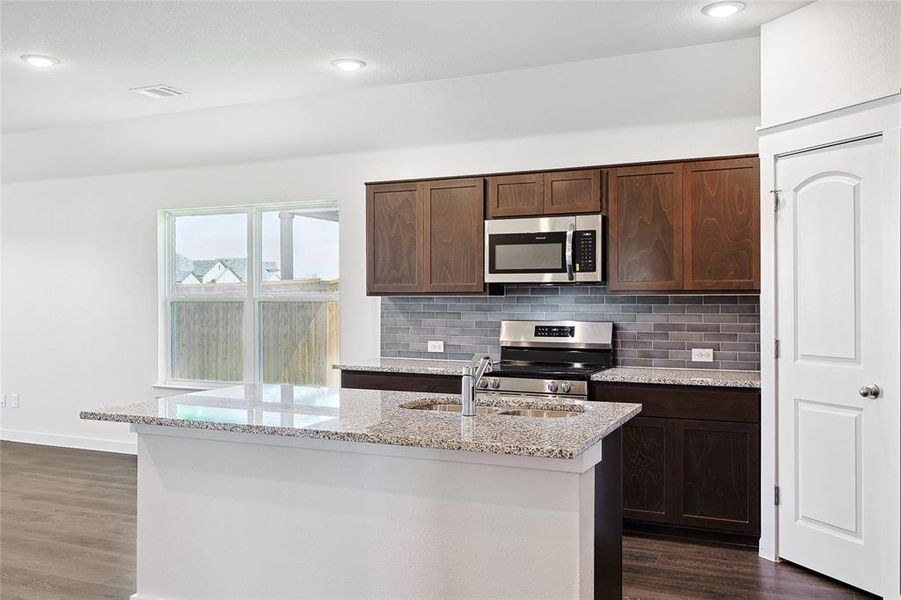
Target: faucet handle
[{"x": 478, "y": 358}]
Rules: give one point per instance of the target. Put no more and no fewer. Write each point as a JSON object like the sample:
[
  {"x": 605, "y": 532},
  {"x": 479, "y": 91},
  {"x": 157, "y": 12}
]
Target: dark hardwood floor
[{"x": 67, "y": 531}]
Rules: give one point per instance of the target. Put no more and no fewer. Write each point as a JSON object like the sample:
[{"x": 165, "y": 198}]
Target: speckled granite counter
[
  {"x": 412, "y": 366},
  {"x": 700, "y": 377},
  {"x": 378, "y": 417}
]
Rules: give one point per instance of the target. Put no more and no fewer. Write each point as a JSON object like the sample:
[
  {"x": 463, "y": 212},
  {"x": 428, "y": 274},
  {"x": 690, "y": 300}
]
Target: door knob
[{"x": 870, "y": 391}]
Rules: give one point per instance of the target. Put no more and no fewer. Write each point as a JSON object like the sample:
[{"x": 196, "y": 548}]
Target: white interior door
[{"x": 835, "y": 318}]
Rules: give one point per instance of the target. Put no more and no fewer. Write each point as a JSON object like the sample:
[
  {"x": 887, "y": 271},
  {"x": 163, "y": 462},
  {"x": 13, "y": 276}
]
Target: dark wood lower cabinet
[
  {"x": 717, "y": 468},
  {"x": 647, "y": 469},
  {"x": 690, "y": 460},
  {"x": 692, "y": 466},
  {"x": 401, "y": 382}
]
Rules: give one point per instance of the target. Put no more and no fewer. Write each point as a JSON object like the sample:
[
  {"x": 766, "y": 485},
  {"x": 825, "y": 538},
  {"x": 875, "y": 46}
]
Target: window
[{"x": 249, "y": 294}]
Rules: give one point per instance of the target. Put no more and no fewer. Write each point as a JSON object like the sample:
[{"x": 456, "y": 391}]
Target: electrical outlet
[
  {"x": 14, "y": 401},
  {"x": 702, "y": 354},
  {"x": 435, "y": 346},
  {"x": 3, "y": 401}
]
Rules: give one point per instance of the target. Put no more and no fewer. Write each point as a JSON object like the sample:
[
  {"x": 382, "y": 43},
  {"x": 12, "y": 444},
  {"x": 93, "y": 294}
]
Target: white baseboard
[{"x": 69, "y": 441}]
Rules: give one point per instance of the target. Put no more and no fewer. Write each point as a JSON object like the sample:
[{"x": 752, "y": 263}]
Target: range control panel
[
  {"x": 585, "y": 251},
  {"x": 555, "y": 331}
]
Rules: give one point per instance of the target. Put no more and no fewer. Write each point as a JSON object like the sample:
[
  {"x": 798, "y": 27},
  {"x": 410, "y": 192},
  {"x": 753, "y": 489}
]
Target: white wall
[
  {"x": 829, "y": 55},
  {"x": 79, "y": 254}
]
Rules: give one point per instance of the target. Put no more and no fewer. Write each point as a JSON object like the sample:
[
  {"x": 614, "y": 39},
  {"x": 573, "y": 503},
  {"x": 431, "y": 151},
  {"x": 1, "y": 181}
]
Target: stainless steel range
[{"x": 550, "y": 358}]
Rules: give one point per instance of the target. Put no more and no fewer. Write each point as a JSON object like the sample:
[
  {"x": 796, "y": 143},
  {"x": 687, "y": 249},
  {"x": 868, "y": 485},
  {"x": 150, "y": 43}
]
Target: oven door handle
[{"x": 569, "y": 251}]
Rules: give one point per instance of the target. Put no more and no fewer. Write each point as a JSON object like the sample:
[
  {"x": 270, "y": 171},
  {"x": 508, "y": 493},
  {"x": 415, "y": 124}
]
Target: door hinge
[
  {"x": 776, "y": 348},
  {"x": 776, "y": 495},
  {"x": 775, "y": 194}
]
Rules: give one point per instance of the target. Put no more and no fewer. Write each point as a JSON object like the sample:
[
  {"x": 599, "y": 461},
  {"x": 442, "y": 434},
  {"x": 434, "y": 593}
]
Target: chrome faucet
[{"x": 472, "y": 375}]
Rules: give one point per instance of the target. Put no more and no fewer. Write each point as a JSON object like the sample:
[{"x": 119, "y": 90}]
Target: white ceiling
[{"x": 226, "y": 53}]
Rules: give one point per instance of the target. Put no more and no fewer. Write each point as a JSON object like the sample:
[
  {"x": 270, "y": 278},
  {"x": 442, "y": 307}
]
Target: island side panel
[
  {"x": 608, "y": 520},
  {"x": 239, "y": 519}
]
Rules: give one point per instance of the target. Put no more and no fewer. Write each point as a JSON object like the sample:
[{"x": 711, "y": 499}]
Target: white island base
[{"x": 225, "y": 515}]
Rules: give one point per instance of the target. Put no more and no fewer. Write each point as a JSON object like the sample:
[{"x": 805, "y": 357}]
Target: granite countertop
[
  {"x": 701, "y": 377},
  {"x": 413, "y": 366},
  {"x": 377, "y": 417}
]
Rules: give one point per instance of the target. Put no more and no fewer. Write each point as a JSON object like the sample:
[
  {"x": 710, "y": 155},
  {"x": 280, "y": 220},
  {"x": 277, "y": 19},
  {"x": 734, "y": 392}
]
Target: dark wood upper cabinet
[
  {"x": 554, "y": 193},
  {"x": 647, "y": 469},
  {"x": 425, "y": 237},
  {"x": 645, "y": 229},
  {"x": 454, "y": 238},
  {"x": 394, "y": 238},
  {"x": 688, "y": 226},
  {"x": 516, "y": 195},
  {"x": 721, "y": 202},
  {"x": 568, "y": 192},
  {"x": 718, "y": 474}
]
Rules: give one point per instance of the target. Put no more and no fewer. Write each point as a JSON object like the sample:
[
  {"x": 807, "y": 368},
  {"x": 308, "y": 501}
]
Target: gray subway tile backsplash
[{"x": 649, "y": 330}]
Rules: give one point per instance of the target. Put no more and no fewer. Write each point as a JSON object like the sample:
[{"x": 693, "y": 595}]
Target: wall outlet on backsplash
[
  {"x": 702, "y": 355},
  {"x": 435, "y": 346}
]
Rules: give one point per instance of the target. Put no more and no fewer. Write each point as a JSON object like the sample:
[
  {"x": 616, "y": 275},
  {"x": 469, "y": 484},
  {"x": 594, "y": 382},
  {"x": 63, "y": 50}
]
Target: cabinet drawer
[{"x": 685, "y": 401}]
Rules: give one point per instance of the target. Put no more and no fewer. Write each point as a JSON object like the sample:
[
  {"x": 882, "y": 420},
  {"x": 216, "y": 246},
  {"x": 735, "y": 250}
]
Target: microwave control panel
[{"x": 585, "y": 245}]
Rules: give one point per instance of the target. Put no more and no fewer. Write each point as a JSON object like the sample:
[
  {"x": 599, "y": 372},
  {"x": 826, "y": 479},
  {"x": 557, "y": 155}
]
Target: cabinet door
[
  {"x": 722, "y": 224},
  {"x": 516, "y": 195},
  {"x": 645, "y": 247},
  {"x": 454, "y": 235},
  {"x": 394, "y": 239},
  {"x": 717, "y": 475},
  {"x": 572, "y": 192},
  {"x": 648, "y": 469}
]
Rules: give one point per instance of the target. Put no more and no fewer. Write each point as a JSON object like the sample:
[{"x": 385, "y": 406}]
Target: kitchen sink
[
  {"x": 510, "y": 411},
  {"x": 540, "y": 413},
  {"x": 455, "y": 408}
]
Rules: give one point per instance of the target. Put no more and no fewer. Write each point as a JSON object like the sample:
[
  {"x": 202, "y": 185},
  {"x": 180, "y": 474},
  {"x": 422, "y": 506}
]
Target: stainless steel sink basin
[
  {"x": 455, "y": 408},
  {"x": 539, "y": 413},
  {"x": 507, "y": 411}
]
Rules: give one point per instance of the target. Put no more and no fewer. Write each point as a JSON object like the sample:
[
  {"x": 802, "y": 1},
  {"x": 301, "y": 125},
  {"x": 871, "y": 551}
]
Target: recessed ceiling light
[
  {"x": 721, "y": 10},
  {"x": 348, "y": 64},
  {"x": 39, "y": 61}
]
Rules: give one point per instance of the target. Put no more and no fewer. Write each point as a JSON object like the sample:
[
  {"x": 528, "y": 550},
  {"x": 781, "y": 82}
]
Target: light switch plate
[
  {"x": 435, "y": 346},
  {"x": 14, "y": 401},
  {"x": 702, "y": 355}
]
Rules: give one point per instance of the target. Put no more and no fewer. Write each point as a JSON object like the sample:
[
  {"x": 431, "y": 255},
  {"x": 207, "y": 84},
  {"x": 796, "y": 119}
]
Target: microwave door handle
[{"x": 569, "y": 251}]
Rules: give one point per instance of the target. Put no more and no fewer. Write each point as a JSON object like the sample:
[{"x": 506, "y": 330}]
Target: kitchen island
[{"x": 305, "y": 492}]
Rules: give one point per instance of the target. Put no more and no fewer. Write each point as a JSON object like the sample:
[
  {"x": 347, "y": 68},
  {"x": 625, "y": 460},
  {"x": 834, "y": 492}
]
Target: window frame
[{"x": 253, "y": 294}]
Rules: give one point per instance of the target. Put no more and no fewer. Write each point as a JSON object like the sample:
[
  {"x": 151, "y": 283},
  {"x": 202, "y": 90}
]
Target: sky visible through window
[{"x": 205, "y": 237}]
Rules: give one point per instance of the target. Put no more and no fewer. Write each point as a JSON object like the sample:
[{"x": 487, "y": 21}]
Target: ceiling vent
[{"x": 159, "y": 91}]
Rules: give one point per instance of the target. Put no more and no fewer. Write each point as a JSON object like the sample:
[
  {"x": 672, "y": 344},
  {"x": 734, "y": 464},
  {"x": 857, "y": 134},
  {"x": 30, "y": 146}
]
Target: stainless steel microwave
[{"x": 564, "y": 249}]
